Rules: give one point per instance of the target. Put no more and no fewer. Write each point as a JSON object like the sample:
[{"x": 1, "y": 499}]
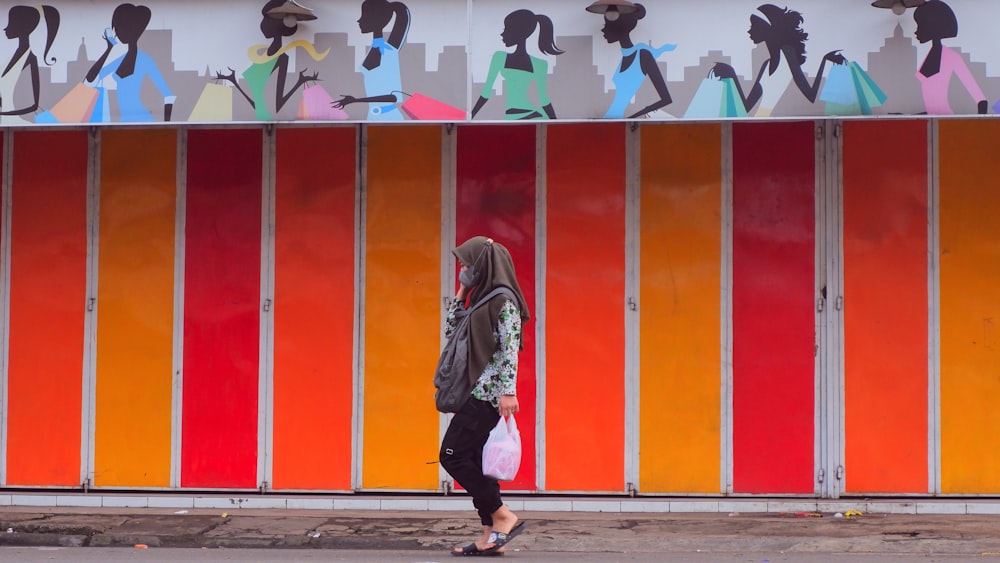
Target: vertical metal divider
[
  {"x": 449, "y": 192},
  {"x": 541, "y": 272},
  {"x": 180, "y": 222},
  {"x": 934, "y": 310},
  {"x": 265, "y": 401},
  {"x": 633, "y": 195},
  {"x": 360, "y": 201},
  {"x": 835, "y": 246},
  {"x": 91, "y": 308},
  {"x": 726, "y": 312},
  {"x": 5, "y": 211},
  {"x": 821, "y": 450}
]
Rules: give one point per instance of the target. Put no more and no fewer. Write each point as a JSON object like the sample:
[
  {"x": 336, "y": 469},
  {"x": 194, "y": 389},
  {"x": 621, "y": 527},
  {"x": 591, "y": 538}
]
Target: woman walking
[{"x": 494, "y": 343}]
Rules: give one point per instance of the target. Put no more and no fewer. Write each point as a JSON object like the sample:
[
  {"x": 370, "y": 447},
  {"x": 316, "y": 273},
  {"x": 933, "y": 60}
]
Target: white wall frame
[{"x": 5, "y": 215}]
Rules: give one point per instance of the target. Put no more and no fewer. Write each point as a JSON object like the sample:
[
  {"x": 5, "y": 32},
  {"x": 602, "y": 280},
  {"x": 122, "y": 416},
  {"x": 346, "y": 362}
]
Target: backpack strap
[{"x": 501, "y": 290}]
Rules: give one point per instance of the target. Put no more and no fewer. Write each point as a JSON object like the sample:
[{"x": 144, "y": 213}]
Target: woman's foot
[
  {"x": 506, "y": 524},
  {"x": 479, "y": 546}
]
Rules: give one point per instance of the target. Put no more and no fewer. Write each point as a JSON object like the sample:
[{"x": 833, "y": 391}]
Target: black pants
[{"x": 462, "y": 455}]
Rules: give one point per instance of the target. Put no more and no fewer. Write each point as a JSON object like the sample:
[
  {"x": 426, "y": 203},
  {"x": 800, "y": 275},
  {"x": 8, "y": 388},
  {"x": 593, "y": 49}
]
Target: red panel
[
  {"x": 585, "y": 195},
  {"x": 314, "y": 307},
  {"x": 773, "y": 320},
  {"x": 496, "y": 197},
  {"x": 48, "y": 292},
  {"x": 885, "y": 326},
  {"x": 222, "y": 309}
]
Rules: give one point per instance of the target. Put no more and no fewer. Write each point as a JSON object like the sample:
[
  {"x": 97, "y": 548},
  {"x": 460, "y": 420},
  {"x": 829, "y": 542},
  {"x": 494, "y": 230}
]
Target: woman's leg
[{"x": 462, "y": 455}]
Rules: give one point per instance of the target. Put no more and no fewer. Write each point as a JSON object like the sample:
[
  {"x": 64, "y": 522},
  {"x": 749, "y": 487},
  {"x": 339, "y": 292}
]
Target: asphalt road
[{"x": 132, "y": 555}]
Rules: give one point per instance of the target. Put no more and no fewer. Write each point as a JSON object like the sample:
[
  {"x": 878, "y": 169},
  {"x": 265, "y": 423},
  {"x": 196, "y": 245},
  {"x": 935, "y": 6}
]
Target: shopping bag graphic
[
  {"x": 421, "y": 107},
  {"x": 839, "y": 87},
  {"x": 708, "y": 100},
  {"x": 75, "y": 107},
  {"x": 870, "y": 92},
  {"x": 734, "y": 103},
  {"x": 214, "y": 104},
  {"x": 317, "y": 105},
  {"x": 102, "y": 107}
]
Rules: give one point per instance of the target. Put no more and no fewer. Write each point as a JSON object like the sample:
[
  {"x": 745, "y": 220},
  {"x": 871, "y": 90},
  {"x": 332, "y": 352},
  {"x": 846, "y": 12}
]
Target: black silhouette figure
[
  {"x": 519, "y": 69},
  {"x": 786, "y": 41},
  {"x": 936, "y": 21},
  {"x": 273, "y": 61},
  {"x": 21, "y": 22}
]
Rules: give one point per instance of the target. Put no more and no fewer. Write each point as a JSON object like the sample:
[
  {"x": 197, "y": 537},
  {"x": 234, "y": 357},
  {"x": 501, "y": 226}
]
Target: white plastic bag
[{"x": 502, "y": 452}]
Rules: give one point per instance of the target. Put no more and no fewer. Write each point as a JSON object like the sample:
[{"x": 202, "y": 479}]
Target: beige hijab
[{"x": 493, "y": 268}]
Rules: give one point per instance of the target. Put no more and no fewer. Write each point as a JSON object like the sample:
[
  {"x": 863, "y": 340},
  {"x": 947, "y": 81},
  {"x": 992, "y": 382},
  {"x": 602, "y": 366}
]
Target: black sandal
[
  {"x": 500, "y": 539},
  {"x": 472, "y": 550}
]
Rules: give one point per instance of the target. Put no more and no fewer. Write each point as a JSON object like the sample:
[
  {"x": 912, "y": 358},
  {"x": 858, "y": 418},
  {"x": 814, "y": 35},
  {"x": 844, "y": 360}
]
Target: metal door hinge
[
  {"x": 632, "y": 305},
  {"x": 90, "y": 304},
  {"x": 822, "y": 475},
  {"x": 267, "y": 305},
  {"x": 820, "y": 305},
  {"x": 840, "y": 303},
  {"x": 840, "y": 472}
]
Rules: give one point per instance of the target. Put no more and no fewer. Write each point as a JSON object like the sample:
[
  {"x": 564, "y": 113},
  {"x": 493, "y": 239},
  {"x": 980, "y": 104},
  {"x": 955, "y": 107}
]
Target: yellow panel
[
  {"x": 970, "y": 307},
  {"x": 402, "y": 307},
  {"x": 680, "y": 270},
  {"x": 136, "y": 308}
]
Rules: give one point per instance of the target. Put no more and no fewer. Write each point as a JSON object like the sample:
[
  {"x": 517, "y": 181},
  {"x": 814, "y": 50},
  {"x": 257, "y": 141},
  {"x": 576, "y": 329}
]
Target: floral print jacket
[{"x": 500, "y": 376}]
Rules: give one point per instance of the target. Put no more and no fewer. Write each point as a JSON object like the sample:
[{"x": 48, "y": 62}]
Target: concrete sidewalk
[{"x": 782, "y": 532}]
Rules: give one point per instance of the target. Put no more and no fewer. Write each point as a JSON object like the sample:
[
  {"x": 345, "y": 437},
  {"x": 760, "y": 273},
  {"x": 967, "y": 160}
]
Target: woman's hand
[
  {"x": 109, "y": 38},
  {"x": 231, "y": 77},
  {"x": 722, "y": 70},
  {"x": 303, "y": 78},
  {"x": 346, "y": 100},
  {"x": 835, "y": 57},
  {"x": 508, "y": 405}
]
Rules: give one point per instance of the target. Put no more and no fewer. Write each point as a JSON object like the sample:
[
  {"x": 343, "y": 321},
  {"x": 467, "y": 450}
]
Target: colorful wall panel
[
  {"x": 496, "y": 191},
  {"x": 773, "y": 307},
  {"x": 222, "y": 307},
  {"x": 135, "y": 330},
  {"x": 680, "y": 241},
  {"x": 402, "y": 318},
  {"x": 47, "y": 308},
  {"x": 585, "y": 287},
  {"x": 314, "y": 265},
  {"x": 970, "y": 307},
  {"x": 885, "y": 212}
]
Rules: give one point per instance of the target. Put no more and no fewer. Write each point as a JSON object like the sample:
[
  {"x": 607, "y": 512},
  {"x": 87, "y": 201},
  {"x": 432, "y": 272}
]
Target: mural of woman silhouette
[
  {"x": 21, "y": 22},
  {"x": 936, "y": 21},
  {"x": 520, "y": 70},
  {"x": 272, "y": 59},
  {"x": 381, "y": 65},
  {"x": 638, "y": 64},
  {"x": 785, "y": 39},
  {"x": 128, "y": 22}
]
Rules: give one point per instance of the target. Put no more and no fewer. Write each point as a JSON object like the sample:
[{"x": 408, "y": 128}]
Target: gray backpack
[{"x": 452, "y": 381}]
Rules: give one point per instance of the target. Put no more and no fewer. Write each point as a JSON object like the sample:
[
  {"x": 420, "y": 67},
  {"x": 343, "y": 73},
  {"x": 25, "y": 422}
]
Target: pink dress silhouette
[{"x": 935, "y": 88}]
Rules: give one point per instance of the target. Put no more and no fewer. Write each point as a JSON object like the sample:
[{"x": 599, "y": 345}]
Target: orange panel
[
  {"x": 885, "y": 320},
  {"x": 403, "y": 306},
  {"x": 970, "y": 307},
  {"x": 314, "y": 308},
  {"x": 680, "y": 295},
  {"x": 136, "y": 308},
  {"x": 48, "y": 291},
  {"x": 585, "y": 294}
]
